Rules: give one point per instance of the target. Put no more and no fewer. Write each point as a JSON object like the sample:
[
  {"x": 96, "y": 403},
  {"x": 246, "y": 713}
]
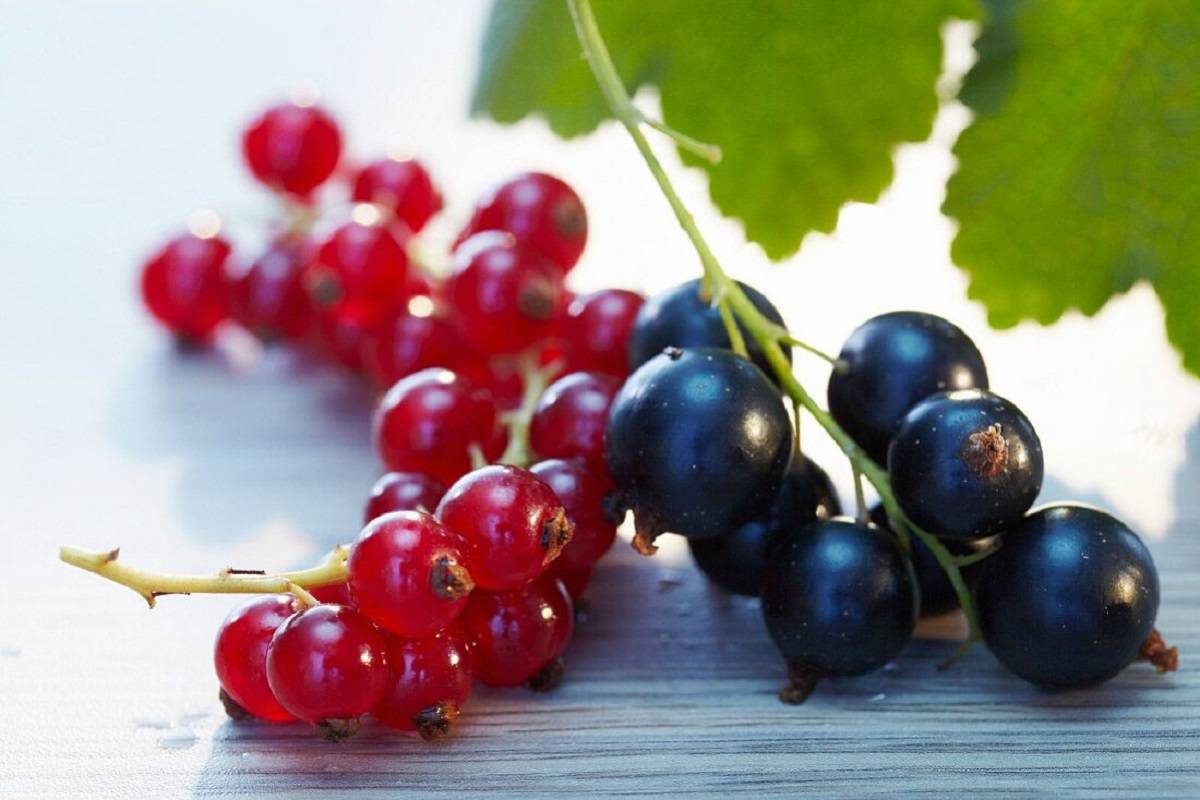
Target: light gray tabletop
[{"x": 116, "y": 122}]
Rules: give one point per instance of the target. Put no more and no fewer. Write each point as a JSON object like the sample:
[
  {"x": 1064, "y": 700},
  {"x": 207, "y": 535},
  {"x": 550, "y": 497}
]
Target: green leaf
[
  {"x": 1081, "y": 173},
  {"x": 806, "y": 99}
]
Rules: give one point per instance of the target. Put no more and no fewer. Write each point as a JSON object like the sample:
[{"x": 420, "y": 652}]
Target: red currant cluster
[{"x": 464, "y": 570}]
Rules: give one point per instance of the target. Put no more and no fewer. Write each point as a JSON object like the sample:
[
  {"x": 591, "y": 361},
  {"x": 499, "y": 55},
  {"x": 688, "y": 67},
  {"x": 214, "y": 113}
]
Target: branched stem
[
  {"x": 152, "y": 585},
  {"x": 709, "y": 152},
  {"x": 518, "y": 452},
  {"x": 769, "y": 336}
]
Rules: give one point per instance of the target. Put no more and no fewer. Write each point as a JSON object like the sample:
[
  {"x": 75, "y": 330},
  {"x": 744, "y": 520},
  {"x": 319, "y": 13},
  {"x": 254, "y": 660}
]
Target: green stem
[
  {"x": 518, "y": 452},
  {"x": 709, "y": 152},
  {"x": 768, "y": 335}
]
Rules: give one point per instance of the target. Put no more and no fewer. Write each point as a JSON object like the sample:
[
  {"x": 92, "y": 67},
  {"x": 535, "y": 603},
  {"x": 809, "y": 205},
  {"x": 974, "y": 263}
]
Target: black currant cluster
[{"x": 699, "y": 443}]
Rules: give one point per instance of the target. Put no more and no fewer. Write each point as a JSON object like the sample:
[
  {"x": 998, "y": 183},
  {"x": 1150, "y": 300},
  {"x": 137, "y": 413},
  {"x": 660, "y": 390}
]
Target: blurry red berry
[
  {"x": 596, "y": 330},
  {"x": 364, "y": 264},
  {"x": 541, "y": 211},
  {"x": 183, "y": 285},
  {"x": 403, "y": 491},
  {"x": 403, "y": 187},
  {"x": 292, "y": 148},
  {"x": 269, "y": 298}
]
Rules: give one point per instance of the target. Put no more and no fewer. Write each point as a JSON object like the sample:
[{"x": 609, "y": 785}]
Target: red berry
[
  {"x": 292, "y": 148},
  {"x": 240, "y": 654},
  {"x": 431, "y": 679},
  {"x": 428, "y": 422},
  {"x": 575, "y": 581},
  {"x": 338, "y": 593},
  {"x": 183, "y": 285},
  {"x": 405, "y": 343},
  {"x": 403, "y": 491},
  {"x": 571, "y": 416},
  {"x": 402, "y": 187},
  {"x": 505, "y": 296},
  {"x": 327, "y": 665},
  {"x": 407, "y": 574},
  {"x": 342, "y": 332},
  {"x": 519, "y": 636},
  {"x": 581, "y": 488},
  {"x": 539, "y": 210},
  {"x": 269, "y": 298},
  {"x": 596, "y": 330},
  {"x": 512, "y": 524},
  {"x": 358, "y": 263}
]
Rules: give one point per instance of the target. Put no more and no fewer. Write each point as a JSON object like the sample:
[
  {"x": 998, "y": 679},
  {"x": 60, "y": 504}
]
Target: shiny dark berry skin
[
  {"x": 517, "y": 634},
  {"x": 363, "y": 264},
  {"x": 571, "y": 416},
  {"x": 428, "y": 422},
  {"x": 892, "y": 362},
  {"x": 966, "y": 464},
  {"x": 404, "y": 343},
  {"x": 292, "y": 148},
  {"x": 596, "y": 330},
  {"x": 937, "y": 595},
  {"x": 511, "y": 523},
  {"x": 839, "y": 598},
  {"x": 407, "y": 574},
  {"x": 697, "y": 443},
  {"x": 183, "y": 285},
  {"x": 581, "y": 487},
  {"x": 505, "y": 296},
  {"x": 269, "y": 299},
  {"x": 679, "y": 317},
  {"x": 737, "y": 561},
  {"x": 327, "y": 663},
  {"x": 431, "y": 680},
  {"x": 404, "y": 188},
  {"x": 240, "y": 654},
  {"x": 1069, "y": 597},
  {"x": 540, "y": 211},
  {"x": 403, "y": 491}
]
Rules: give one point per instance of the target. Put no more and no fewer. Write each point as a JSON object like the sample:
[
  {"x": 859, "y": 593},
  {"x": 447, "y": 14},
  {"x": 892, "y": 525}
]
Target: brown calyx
[
  {"x": 985, "y": 451},
  {"x": 1155, "y": 650},
  {"x": 549, "y": 677},
  {"x": 556, "y": 532},
  {"x": 645, "y": 531},
  {"x": 673, "y": 353},
  {"x": 337, "y": 730},
  {"x": 435, "y": 722},
  {"x": 233, "y": 708},
  {"x": 801, "y": 682},
  {"x": 570, "y": 220},
  {"x": 450, "y": 580},
  {"x": 323, "y": 287},
  {"x": 536, "y": 300}
]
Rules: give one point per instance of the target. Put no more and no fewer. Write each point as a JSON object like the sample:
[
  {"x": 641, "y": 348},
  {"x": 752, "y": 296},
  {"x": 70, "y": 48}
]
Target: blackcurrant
[
  {"x": 737, "y": 561},
  {"x": 697, "y": 443},
  {"x": 937, "y": 594},
  {"x": 838, "y": 599},
  {"x": 965, "y": 464},
  {"x": 889, "y": 364},
  {"x": 682, "y": 317},
  {"x": 1070, "y": 597}
]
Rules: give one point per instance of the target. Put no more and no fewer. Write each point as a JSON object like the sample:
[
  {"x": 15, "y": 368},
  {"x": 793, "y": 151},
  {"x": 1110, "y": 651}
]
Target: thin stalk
[
  {"x": 859, "y": 500},
  {"x": 709, "y": 152},
  {"x": 768, "y": 335},
  {"x": 518, "y": 452}
]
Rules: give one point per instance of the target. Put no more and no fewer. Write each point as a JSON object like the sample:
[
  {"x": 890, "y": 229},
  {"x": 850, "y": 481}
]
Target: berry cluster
[
  {"x": 467, "y": 567},
  {"x": 699, "y": 443}
]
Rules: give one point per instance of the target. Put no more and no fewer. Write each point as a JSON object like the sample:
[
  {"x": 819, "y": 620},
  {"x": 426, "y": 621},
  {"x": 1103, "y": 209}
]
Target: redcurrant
[
  {"x": 539, "y": 210},
  {"x": 407, "y": 574},
  {"x": 520, "y": 635},
  {"x": 405, "y": 343},
  {"x": 240, "y": 656},
  {"x": 582, "y": 489},
  {"x": 571, "y": 416},
  {"x": 269, "y": 298},
  {"x": 183, "y": 285},
  {"x": 403, "y": 491},
  {"x": 343, "y": 331},
  {"x": 365, "y": 264},
  {"x": 404, "y": 188},
  {"x": 431, "y": 679},
  {"x": 292, "y": 148},
  {"x": 596, "y": 330},
  {"x": 429, "y": 421},
  {"x": 575, "y": 581}
]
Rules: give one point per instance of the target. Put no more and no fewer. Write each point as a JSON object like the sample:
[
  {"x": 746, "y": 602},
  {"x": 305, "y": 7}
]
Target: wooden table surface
[{"x": 117, "y": 119}]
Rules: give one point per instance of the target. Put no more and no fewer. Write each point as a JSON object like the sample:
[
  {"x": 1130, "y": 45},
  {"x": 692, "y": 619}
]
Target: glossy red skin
[
  {"x": 596, "y": 331},
  {"x": 539, "y": 210},
  {"x": 392, "y": 566},
  {"x": 240, "y": 654},
  {"x": 504, "y": 296},
  {"x": 581, "y": 488},
  {"x": 404, "y": 344},
  {"x": 428, "y": 421},
  {"x": 364, "y": 264},
  {"x": 291, "y": 148},
  {"x": 183, "y": 285},
  {"x": 500, "y": 513},
  {"x": 269, "y": 298},
  {"x": 404, "y": 188},
  {"x": 575, "y": 581},
  {"x": 515, "y": 634},
  {"x": 425, "y": 673},
  {"x": 327, "y": 662},
  {"x": 342, "y": 332},
  {"x": 338, "y": 593},
  {"x": 571, "y": 416},
  {"x": 403, "y": 491}
]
